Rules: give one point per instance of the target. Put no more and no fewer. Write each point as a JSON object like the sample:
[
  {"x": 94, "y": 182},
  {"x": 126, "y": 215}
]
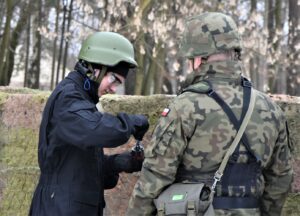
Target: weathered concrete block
[{"x": 20, "y": 116}]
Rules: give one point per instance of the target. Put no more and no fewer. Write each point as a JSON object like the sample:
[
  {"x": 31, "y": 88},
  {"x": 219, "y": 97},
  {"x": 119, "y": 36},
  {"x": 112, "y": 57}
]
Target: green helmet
[
  {"x": 209, "y": 33},
  {"x": 107, "y": 48}
]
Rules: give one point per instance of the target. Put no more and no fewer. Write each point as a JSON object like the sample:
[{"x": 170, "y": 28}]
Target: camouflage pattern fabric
[
  {"x": 189, "y": 143},
  {"x": 209, "y": 33}
]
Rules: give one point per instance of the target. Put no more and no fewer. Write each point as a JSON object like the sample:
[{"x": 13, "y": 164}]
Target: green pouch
[{"x": 185, "y": 199}]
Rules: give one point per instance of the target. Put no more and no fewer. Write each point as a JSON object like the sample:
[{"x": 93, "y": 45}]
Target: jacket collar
[
  {"x": 223, "y": 71},
  {"x": 78, "y": 76}
]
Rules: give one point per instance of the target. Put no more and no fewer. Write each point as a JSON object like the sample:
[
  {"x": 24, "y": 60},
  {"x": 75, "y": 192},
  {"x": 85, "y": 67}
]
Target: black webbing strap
[
  {"x": 247, "y": 85},
  {"x": 246, "y": 96},
  {"x": 246, "y": 99},
  {"x": 235, "y": 202},
  {"x": 236, "y": 123}
]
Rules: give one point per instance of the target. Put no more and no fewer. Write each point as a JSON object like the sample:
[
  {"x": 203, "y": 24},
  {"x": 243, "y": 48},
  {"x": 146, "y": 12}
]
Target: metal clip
[
  {"x": 210, "y": 92},
  {"x": 217, "y": 178},
  {"x": 246, "y": 83}
]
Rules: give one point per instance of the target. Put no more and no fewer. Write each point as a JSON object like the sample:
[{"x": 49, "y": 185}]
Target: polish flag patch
[{"x": 165, "y": 112}]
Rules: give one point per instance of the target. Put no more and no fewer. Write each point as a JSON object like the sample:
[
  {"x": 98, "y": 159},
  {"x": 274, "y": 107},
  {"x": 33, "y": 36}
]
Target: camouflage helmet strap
[{"x": 219, "y": 173}]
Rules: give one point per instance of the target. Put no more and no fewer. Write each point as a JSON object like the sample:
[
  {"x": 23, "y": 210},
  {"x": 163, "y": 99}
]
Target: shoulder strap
[
  {"x": 205, "y": 87},
  {"x": 219, "y": 173},
  {"x": 236, "y": 123}
]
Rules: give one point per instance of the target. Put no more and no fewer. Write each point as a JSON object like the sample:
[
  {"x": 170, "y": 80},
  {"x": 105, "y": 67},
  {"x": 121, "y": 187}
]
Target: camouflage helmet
[
  {"x": 107, "y": 48},
  {"x": 209, "y": 33}
]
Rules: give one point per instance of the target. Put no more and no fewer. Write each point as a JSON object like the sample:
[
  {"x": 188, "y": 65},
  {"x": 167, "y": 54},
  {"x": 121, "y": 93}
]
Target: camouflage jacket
[{"x": 189, "y": 143}]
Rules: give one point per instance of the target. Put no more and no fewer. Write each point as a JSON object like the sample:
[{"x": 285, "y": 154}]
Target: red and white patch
[{"x": 165, "y": 112}]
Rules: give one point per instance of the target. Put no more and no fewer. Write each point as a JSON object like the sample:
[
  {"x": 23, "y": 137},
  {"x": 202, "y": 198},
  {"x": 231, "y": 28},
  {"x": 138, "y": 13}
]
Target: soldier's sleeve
[
  {"x": 162, "y": 157},
  {"x": 278, "y": 175}
]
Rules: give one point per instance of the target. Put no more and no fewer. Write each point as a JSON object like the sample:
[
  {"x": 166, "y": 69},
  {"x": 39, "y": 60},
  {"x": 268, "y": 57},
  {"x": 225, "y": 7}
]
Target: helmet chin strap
[{"x": 100, "y": 76}]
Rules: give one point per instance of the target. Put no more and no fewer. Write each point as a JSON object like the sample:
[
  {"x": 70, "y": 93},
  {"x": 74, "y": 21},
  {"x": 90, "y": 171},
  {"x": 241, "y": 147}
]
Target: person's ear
[{"x": 197, "y": 62}]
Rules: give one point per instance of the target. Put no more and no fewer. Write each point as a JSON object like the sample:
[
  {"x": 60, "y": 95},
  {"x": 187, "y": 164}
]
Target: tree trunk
[
  {"x": 270, "y": 20},
  {"x": 67, "y": 39},
  {"x": 2, "y": 11},
  {"x": 139, "y": 76},
  {"x": 145, "y": 6},
  {"x": 279, "y": 84},
  {"x": 149, "y": 78},
  {"x": 27, "y": 50},
  {"x": 261, "y": 58},
  {"x": 33, "y": 77},
  {"x": 15, "y": 37},
  {"x": 61, "y": 44},
  {"x": 274, "y": 27},
  {"x": 253, "y": 6},
  {"x": 271, "y": 35},
  {"x": 55, "y": 44},
  {"x": 160, "y": 71},
  {"x": 253, "y": 70},
  {"x": 4, "y": 47},
  {"x": 278, "y": 23},
  {"x": 293, "y": 54}
]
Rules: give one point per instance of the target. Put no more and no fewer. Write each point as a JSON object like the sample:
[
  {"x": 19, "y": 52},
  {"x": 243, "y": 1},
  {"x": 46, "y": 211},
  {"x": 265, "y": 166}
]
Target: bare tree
[
  {"x": 4, "y": 46},
  {"x": 2, "y": 11},
  {"x": 279, "y": 83},
  {"x": 33, "y": 77},
  {"x": 67, "y": 38},
  {"x": 60, "y": 52},
  {"x": 15, "y": 38},
  {"x": 57, "y": 7},
  {"x": 293, "y": 54},
  {"x": 253, "y": 59},
  {"x": 28, "y": 36}
]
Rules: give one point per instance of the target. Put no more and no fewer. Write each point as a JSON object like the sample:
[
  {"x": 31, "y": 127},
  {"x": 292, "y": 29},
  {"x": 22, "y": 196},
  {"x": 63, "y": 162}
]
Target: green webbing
[
  {"x": 191, "y": 208},
  {"x": 161, "y": 210}
]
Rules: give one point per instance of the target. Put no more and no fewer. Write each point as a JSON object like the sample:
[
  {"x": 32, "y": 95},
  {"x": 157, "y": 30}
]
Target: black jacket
[{"x": 74, "y": 170}]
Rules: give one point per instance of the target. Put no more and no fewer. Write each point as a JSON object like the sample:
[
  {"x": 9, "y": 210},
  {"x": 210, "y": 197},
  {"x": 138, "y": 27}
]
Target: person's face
[{"x": 110, "y": 82}]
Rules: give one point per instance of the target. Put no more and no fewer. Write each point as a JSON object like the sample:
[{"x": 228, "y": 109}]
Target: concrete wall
[{"x": 20, "y": 115}]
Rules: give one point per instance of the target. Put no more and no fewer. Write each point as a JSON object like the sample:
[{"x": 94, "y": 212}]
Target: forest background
[{"x": 40, "y": 40}]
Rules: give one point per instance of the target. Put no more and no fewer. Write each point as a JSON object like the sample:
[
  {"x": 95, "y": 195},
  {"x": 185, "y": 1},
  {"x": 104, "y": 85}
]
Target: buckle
[
  {"x": 191, "y": 205},
  {"x": 246, "y": 83},
  {"x": 210, "y": 92},
  {"x": 233, "y": 158},
  {"x": 217, "y": 178}
]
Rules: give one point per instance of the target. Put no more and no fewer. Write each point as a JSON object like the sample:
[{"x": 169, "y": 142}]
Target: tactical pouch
[
  {"x": 185, "y": 199},
  {"x": 241, "y": 179}
]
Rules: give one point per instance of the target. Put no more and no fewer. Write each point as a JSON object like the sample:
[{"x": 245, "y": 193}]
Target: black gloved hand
[
  {"x": 141, "y": 125},
  {"x": 125, "y": 162},
  {"x": 110, "y": 180}
]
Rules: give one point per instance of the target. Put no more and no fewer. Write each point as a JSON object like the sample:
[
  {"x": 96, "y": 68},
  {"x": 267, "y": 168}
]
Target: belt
[{"x": 235, "y": 202}]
